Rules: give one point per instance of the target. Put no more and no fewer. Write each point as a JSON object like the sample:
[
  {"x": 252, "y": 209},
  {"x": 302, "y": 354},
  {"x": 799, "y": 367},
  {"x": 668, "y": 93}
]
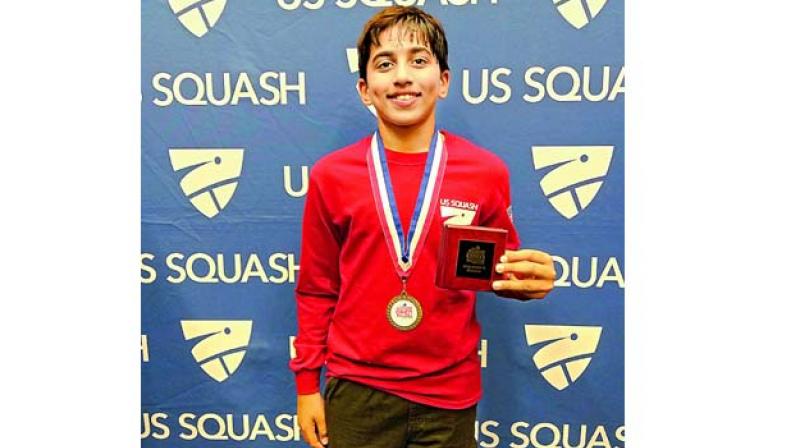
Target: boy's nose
[{"x": 402, "y": 74}]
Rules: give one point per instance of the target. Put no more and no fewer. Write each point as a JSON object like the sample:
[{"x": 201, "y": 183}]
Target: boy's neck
[{"x": 409, "y": 139}]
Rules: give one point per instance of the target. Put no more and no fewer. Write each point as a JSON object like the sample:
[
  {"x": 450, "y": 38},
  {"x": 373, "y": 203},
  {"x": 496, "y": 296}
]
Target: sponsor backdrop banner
[{"x": 240, "y": 98}]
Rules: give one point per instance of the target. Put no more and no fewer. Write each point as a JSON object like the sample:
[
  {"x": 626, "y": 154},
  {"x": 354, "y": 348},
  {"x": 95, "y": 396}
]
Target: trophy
[{"x": 468, "y": 255}]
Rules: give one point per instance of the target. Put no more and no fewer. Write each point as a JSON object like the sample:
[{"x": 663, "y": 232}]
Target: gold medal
[{"x": 404, "y": 312}]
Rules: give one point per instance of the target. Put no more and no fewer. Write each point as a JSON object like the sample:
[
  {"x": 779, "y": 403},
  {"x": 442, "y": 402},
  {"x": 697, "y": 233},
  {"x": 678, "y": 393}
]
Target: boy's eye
[{"x": 420, "y": 61}]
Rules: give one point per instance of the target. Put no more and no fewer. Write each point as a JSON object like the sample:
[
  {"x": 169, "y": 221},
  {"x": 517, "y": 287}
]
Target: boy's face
[{"x": 404, "y": 80}]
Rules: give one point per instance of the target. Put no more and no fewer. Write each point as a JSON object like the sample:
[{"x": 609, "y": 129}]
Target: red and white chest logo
[{"x": 454, "y": 211}]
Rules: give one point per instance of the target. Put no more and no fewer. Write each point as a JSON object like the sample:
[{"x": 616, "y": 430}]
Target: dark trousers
[{"x": 358, "y": 416}]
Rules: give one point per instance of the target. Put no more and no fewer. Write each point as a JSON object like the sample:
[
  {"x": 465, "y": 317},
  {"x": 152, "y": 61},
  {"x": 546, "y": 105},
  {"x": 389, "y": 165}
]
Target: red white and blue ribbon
[{"x": 405, "y": 249}]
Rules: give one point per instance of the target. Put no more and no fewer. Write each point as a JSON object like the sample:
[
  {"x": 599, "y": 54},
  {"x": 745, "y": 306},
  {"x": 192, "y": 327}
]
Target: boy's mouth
[{"x": 404, "y": 98}]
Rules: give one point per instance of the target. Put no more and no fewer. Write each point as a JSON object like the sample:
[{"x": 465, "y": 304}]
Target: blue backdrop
[{"x": 239, "y": 98}]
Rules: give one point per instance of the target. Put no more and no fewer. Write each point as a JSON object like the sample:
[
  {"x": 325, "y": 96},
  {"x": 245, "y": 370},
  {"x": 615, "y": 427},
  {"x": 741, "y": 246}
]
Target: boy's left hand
[{"x": 529, "y": 274}]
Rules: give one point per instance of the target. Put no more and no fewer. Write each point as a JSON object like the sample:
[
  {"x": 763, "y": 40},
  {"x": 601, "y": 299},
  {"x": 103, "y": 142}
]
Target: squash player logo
[
  {"x": 352, "y": 63},
  {"x": 221, "y": 344},
  {"x": 563, "y": 352},
  {"x": 457, "y": 216},
  {"x": 579, "y": 12},
  {"x": 576, "y": 175},
  {"x": 198, "y": 16},
  {"x": 211, "y": 178}
]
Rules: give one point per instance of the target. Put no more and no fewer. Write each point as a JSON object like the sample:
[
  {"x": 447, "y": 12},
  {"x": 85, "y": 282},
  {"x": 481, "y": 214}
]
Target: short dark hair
[{"x": 426, "y": 28}]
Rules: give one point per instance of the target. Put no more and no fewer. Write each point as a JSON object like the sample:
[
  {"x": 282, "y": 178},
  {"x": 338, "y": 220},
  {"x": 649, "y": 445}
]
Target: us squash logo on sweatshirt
[
  {"x": 562, "y": 352},
  {"x": 221, "y": 344},
  {"x": 457, "y": 212}
]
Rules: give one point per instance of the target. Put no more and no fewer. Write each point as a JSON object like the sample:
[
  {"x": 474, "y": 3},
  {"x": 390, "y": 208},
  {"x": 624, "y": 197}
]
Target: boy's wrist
[{"x": 307, "y": 381}]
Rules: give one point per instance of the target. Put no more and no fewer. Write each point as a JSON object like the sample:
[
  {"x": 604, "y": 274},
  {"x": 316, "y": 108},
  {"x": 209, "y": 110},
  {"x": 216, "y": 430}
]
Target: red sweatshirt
[{"x": 347, "y": 278}]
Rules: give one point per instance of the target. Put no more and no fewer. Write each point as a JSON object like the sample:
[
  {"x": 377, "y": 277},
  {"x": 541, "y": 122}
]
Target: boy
[{"x": 401, "y": 354}]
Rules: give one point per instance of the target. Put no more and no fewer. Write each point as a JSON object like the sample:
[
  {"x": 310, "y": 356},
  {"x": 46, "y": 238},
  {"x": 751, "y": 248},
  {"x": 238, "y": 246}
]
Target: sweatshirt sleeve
[
  {"x": 499, "y": 209},
  {"x": 317, "y": 288}
]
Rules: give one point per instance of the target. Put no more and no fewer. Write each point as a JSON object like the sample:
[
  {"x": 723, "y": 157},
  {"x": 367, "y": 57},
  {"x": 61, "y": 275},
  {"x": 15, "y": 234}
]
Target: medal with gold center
[{"x": 404, "y": 312}]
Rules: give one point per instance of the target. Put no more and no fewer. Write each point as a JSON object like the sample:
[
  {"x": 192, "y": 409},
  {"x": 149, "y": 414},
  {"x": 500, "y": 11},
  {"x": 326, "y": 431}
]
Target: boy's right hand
[{"x": 311, "y": 418}]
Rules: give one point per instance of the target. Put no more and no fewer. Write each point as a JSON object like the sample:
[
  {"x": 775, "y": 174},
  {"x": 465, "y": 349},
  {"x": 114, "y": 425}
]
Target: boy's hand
[
  {"x": 311, "y": 418},
  {"x": 529, "y": 274}
]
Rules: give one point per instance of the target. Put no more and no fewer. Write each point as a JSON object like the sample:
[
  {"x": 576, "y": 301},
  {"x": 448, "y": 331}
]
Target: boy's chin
[{"x": 403, "y": 122}]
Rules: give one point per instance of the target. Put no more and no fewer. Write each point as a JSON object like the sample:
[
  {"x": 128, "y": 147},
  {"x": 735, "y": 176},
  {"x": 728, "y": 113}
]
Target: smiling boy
[{"x": 401, "y": 354}]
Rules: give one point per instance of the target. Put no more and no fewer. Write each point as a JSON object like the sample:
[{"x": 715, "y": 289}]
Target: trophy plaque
[{"x": 468, "y": 255}]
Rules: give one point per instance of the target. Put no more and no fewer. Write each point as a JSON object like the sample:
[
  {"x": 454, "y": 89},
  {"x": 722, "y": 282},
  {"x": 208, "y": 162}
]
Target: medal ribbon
[{"x": 404, "y": 248}]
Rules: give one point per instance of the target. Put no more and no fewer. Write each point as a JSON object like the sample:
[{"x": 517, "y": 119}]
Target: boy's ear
[
  {"x": 445, "y": 80},
  {"x": 362, "y": 92}
]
